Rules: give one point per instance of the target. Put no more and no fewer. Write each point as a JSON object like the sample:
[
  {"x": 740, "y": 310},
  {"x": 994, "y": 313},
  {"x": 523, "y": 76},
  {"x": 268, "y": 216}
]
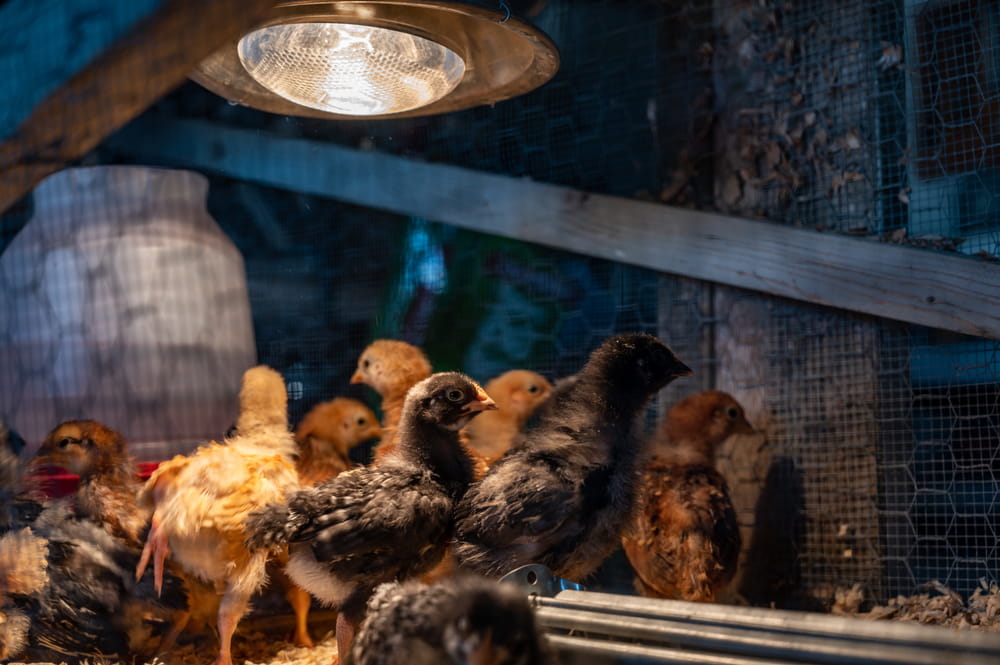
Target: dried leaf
[
  {"x": 732, "y": 191},
  {"x": 897, "y": 235},
  {"x": 892, "y": 56},
  {"x": 852, "y": 140}
]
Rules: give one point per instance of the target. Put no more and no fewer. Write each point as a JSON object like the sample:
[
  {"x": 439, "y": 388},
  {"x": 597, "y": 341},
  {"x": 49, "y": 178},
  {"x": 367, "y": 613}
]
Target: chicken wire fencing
[{"x": 875, "y": 462}]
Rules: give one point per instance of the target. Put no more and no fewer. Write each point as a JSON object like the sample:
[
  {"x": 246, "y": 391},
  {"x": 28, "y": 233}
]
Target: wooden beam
[
  {"x": 47, "y": 41},
  {"x": 919, "y": 286},
  {"x": 133, "y": 72}
]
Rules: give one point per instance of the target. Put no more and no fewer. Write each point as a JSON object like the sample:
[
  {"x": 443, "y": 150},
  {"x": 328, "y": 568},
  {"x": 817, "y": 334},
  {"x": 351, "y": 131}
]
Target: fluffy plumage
[
  {"x": 74, "y": 560},
  {"x": 14, "y": 625},
  {"x": 563, "y": 496},
  {"x": 517, "y": 393},
  {"x": 109, "y": 480},
  {"x": 326, "y": 435},
  {"x": 463, "y": 620},
  {"x": 23, "y": 563},
  {"x": 20, "y": 503},
  {"x": 23, "y": 571},
  {"x": 23, "y": 556},
  {"x": 200, "y": 501},
  {"x": 391, "y": 367},
  {"x": 89, "y": 606},
  {"x": 380, "y": 523},
  {"x": 686, "y": 540}
]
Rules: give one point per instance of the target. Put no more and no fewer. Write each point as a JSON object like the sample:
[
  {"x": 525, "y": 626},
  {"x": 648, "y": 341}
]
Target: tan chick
[
  {"x": 686, "y": 539},
  {"x": 200, "y": 501},
  {"x": 325, "y": 436},
  {"x": 327, "y": 433},
  {"x": 517, "y": 393},
  {"x": 391, "y": 367}
]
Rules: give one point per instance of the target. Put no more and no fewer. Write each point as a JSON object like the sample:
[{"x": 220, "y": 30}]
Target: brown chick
[
  {"x": 108, "y": 492},
  {"x": 109, "y": 480},
  {"x": 391, "y": 367},
  {"x": 200, "y": 501},
  {"x": 686, "y": 540},
  {"x": 517, "y": 393},
  {"x": 325, "y": 436}
]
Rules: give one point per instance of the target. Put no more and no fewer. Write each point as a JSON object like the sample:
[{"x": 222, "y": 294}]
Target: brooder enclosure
[{"x": 799, "y": 197}]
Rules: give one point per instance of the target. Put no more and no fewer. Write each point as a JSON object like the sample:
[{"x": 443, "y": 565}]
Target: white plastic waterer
[{"x": 121, "y": 300}]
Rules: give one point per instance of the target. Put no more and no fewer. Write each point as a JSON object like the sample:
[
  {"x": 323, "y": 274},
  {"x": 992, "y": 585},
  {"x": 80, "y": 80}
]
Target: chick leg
[
  {"x": 345, "y": 636},
  {"x": 300, "y": 600},
  {"x": 234, "y": 605},
  {"x": 157, "y": 547}
]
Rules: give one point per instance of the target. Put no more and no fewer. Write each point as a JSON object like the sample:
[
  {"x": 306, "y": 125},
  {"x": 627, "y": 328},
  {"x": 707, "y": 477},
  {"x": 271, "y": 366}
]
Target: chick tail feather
[{"x": 269, "y": 527}]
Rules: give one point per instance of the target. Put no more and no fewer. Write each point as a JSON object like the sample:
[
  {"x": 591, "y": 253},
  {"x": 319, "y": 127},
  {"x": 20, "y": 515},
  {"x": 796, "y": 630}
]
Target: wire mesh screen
[{"x": 876, "y": 459}]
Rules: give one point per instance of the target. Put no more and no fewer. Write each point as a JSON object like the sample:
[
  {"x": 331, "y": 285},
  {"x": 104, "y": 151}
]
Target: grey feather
[{"x": 562, "y": 498}]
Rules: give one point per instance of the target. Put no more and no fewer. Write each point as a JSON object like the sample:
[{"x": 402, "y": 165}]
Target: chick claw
[{"x": 157, "y": 546}]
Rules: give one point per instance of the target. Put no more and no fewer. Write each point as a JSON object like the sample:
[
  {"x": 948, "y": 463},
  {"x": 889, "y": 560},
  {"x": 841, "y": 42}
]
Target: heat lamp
[{"x": 379, "y": 59}]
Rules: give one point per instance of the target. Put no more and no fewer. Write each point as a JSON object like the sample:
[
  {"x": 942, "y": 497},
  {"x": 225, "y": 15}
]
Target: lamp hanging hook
[{"x": 506, "y": 9}]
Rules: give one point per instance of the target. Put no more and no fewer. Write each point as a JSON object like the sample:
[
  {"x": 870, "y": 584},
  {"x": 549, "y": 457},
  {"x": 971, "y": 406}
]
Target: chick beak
[
  {"x": 682, "y": 370},
  {"x": 482, "y": 402},
  {"x": 356, "y": 377}
]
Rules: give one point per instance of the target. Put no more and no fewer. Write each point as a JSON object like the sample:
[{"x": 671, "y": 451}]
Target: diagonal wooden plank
[
  {"x": 862, "y": 275},
  {"x": 45, "y": 42},
  {"x": 136, "y": 70}
]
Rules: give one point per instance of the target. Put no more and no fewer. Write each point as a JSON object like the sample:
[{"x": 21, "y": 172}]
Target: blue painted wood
[{"x": 45, "y": 42}]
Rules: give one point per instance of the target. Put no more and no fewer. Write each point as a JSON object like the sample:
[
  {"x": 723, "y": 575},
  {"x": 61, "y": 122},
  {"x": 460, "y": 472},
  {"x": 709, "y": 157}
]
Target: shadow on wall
[{"x": 772, "y": 575}]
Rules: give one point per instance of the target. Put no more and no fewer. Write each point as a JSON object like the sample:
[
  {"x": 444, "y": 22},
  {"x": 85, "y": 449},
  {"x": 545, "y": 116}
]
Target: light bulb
[{"x": 350, "y": 69}]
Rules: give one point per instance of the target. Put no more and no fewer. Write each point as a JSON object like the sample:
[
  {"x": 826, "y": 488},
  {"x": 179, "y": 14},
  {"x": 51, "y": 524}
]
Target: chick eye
[
  {"x": 361, "y": 421},
  {"x": 732, "y": 412},
  {"x": 455, "y": 395},
  {"x": 532, "y": 388},
  {"x": 65, "y": 442},
  {"x": 365, "y": 363}
]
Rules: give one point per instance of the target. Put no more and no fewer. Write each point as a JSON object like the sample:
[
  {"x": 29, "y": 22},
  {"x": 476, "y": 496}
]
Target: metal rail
[
  {"x": 685, "y": 633},
  {"x": 798, "y": 637}
]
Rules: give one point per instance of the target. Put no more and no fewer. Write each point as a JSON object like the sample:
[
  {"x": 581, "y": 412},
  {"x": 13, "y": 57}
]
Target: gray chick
[
  {"x": 460, "y": 620},
  {"x": 563, "y": 497}
]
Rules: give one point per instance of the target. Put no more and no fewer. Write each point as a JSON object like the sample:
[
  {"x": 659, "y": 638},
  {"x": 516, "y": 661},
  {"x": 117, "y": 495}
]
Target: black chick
[
  {"x": 564, "y": 496},
  {"x": 91, "y": 607},
  {"x": 381, "y": 523},
  {"x": 20, "y": 499},
  {"x": 460, "y": 620}
]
